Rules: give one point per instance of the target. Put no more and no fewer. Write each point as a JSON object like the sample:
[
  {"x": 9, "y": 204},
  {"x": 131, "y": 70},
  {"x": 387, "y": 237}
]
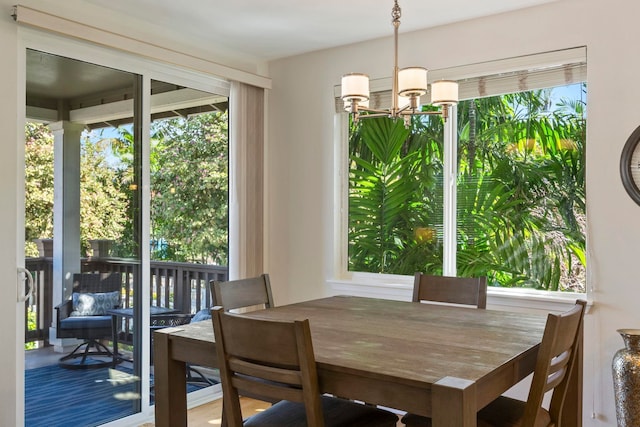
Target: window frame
[{"x": 400, "y": 286}]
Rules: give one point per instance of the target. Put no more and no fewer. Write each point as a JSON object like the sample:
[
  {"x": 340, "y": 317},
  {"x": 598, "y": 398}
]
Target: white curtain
[{"x": 246, "y": 178}]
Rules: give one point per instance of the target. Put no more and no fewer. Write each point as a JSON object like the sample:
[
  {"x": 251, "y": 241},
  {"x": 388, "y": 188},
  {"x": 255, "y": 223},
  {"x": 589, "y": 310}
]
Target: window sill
[{"x": 400, "y": 288}]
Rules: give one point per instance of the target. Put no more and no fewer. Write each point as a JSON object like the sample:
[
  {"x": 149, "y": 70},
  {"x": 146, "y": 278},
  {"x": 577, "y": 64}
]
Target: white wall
[{"x": 301, "y": 152}]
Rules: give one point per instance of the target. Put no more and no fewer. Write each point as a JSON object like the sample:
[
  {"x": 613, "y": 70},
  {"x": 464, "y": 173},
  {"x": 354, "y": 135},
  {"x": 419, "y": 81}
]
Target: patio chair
[
  {"x": 556, "y": 359},
  {"x": 84, "y": 317},
  {"x": 276, "y": 359},
  {"x": 451, "y": 290}
]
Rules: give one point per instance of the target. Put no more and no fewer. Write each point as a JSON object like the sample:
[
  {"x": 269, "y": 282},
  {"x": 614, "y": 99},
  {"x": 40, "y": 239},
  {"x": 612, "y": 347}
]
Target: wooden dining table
[{"x": 440, "y": 361}]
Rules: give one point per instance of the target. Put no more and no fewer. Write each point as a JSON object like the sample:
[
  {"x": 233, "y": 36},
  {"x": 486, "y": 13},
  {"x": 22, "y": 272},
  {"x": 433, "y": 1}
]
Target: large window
[{"x": 516, "y": 205}]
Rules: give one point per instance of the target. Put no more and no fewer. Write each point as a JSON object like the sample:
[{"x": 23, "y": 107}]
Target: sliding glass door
[{"x": 126, "y": 223}]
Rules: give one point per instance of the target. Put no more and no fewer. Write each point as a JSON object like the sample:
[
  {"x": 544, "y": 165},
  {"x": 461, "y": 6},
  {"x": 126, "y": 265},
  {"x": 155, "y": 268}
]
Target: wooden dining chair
[
  {"x": 453, "y": 290},
  {"x": 556, "y": 359},
  {"x": 250, "y": 294},
  {"x": 276, "y": 359}
]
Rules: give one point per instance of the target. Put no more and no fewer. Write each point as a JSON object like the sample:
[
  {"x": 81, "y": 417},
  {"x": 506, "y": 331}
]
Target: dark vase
[{"x": 626, "y": 379}]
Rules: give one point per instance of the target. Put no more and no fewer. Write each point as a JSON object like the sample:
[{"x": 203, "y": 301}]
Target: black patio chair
[{"x": 84, "y": 317}]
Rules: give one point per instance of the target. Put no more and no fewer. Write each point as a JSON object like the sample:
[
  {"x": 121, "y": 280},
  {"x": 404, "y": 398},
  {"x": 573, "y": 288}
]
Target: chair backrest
[
  {"x": 557, "y": 357},
  {"x": 269, "y": 358},
  {"x": 454, "y": 290},
  {"x": 96, "y": 282},
  {"x": 235, "y": 294}
]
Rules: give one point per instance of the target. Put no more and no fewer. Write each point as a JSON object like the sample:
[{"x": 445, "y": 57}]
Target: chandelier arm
[
  {"x": 374, "y": 115},
  {"x": 444, "y": 112},
  {"x": 422, "y": 113},
  {"x": 373, "y": 110}
]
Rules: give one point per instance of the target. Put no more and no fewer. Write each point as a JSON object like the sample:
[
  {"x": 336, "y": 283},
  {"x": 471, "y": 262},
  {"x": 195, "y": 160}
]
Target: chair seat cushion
[
  {"x": 502, "y": 412},
  {"x": 337, "y": 413},
  {"x": 507, "y": 412},
  {"x": 85, "y": 322}
]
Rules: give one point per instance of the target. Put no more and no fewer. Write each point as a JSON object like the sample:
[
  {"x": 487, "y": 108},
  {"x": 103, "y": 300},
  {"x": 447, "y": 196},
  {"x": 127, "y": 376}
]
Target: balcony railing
[{"x": 179, "y": 285}]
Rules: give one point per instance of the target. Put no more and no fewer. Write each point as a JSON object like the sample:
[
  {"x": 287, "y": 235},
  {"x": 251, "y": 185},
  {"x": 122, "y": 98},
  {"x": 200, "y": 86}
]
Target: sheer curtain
[{"x": 246, "y": 178}]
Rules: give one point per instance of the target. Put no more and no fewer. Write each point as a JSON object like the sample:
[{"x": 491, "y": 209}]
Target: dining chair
[
  {"x": 249, "y": 294},
  {"x": 276, "y": 359},
  {"x": 453, "y": 290},
  {"x": 556, "y": 359},
  {"x": 244, "y": 295}
]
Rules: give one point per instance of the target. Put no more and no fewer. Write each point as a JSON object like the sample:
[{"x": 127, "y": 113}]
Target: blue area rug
[{"x": 57, "y": 397}]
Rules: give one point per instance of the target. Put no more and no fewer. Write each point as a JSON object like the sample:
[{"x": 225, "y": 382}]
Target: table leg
[
  {"x": 453, "y": 403},
  {"x": 170, "y": 385}
]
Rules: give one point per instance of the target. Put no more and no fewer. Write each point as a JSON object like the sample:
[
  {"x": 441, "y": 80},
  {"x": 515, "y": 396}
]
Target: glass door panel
[
  {"x": 189, "y": 167},
  {"x": 82, "y": 241}
]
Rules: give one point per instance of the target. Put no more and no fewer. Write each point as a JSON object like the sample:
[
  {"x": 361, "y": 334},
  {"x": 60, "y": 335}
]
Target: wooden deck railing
[{"x": 179, "y": 285}]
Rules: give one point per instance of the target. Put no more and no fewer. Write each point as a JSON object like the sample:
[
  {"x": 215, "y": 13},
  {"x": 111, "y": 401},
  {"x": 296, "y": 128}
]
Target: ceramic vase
[{"x": 626, "y": 379}]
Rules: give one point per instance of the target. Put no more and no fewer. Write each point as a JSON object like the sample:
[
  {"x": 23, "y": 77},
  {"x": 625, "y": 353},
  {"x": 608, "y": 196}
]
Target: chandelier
[{"x": 408, "y": 85}]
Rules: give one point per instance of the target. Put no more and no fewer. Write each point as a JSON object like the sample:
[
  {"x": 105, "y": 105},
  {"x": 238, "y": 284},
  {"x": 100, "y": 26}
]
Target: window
[{"x": 514, "y": 209}]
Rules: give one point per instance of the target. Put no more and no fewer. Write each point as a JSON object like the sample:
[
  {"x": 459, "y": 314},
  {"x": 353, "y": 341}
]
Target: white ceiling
[{"x": 262, "y": 30}]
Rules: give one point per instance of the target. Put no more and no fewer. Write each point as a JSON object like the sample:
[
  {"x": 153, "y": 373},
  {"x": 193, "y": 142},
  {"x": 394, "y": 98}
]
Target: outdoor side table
[{"x": 127, "y": 313}]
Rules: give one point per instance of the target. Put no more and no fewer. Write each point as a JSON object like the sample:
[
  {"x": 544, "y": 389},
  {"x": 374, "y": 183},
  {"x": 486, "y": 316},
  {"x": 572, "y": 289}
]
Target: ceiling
[
  {"x": 60, "y": 88},
  {"x": 239, "y": 30},
  {"x": 260, "y": 30}
]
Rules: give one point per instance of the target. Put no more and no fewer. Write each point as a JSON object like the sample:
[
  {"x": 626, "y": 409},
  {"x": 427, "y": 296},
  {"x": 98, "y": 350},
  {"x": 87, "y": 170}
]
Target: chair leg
[
  {"x": 199, "y": 377},
  {"x": 83, "y": 351}
]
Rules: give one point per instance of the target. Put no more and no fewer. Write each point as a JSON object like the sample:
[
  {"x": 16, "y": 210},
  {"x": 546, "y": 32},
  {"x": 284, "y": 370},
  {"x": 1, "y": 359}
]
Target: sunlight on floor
[{"x": 209, "y": 414}]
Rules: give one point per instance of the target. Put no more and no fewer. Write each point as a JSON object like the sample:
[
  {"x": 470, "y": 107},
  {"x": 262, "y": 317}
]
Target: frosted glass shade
[
  {"x": 355, "y": 86},
  {"x": 412, "y": 81},
  {"x": 444, "y": 92}
]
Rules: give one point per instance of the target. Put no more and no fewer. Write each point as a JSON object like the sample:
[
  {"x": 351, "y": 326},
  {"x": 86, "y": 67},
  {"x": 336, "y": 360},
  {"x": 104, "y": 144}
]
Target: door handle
[{"x": 25, "y": 294}]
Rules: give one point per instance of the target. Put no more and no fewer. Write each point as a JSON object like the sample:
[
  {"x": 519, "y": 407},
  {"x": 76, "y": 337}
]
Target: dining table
[{"x": 445, "y": 362}]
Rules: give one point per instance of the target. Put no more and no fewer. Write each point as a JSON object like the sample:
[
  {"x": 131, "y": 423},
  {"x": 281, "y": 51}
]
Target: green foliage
[
  {"x": 102, "y": 206},
  {"x": 520, "y": 193},
  {"x": 189, "y": 188},
  {"x": 387, "y": 198},
  {"x": 38, "y": 185},
  {"x": 31, "y": 326}
]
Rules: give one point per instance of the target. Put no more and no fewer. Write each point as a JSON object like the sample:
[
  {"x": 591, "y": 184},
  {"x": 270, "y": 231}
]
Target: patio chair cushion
[
  {"x": 94, "y": 304},
  {"x": 75, "y": 322}
]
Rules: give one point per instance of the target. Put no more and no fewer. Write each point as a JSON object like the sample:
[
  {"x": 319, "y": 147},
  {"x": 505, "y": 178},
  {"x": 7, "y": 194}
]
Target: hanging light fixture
[{"x": 409, "y": 84}]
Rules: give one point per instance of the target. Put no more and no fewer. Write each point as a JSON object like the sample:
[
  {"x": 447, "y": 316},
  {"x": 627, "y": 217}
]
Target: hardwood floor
[{"x": 208, "y": 415}]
